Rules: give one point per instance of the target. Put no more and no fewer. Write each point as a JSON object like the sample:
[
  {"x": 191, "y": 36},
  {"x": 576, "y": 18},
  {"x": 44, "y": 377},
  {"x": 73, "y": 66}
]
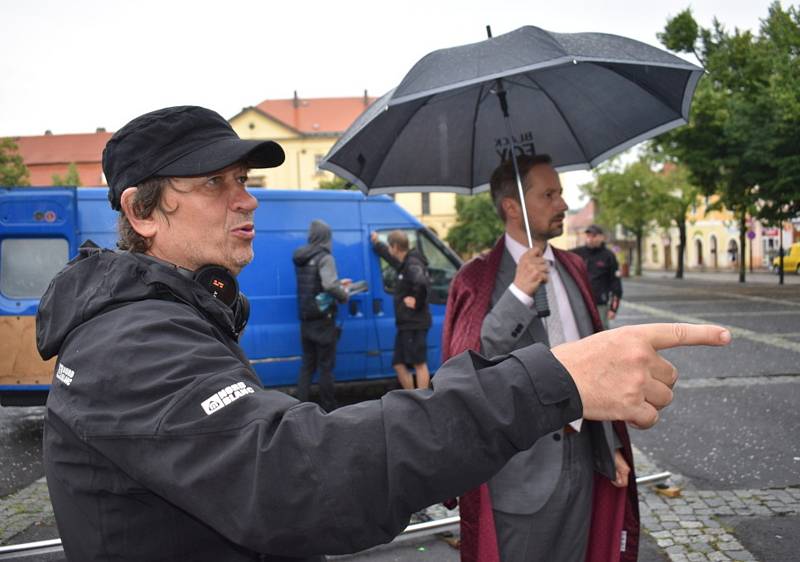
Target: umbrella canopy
[{"x": 580, "y": 97}]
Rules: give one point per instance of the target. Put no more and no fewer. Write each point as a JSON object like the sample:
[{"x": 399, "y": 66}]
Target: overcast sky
[{"x": 73, "y": 66}]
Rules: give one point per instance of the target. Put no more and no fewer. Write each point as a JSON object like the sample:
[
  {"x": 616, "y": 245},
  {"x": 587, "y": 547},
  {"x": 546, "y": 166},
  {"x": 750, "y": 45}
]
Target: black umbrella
[{"x": 459, "y": 112}]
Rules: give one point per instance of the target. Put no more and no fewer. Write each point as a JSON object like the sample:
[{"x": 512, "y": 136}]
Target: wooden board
[{"x": 20, "y": 362}]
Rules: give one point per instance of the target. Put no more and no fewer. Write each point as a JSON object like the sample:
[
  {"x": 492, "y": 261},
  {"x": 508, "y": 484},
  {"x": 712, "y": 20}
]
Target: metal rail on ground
[{"x": 12, "y": 551}]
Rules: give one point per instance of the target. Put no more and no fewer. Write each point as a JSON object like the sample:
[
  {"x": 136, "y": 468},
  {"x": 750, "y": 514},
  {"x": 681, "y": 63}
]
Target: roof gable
[{"x": 316, "y": 115}]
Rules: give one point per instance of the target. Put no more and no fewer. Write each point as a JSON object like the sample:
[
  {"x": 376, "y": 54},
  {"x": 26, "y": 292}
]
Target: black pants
[{"x": 319, "y": 354}]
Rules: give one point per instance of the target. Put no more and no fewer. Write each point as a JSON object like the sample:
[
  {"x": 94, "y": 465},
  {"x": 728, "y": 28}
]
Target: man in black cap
[
  {"x": 603, "y": 273},
  {"x": 161, "y": 443}
]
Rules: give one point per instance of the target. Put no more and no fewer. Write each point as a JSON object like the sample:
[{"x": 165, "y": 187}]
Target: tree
[
  {"x": 775, "y": 142},
  {"x": 671, "y": 202},
  {"x": 477, "y": 225},
  {"x": 336, "y": 183},
  {"x": 741, "y": 142},
  {"x": 628, "y": 197},
  {"x": 72, "y": 177},
  {"x": 12, "y": 168}
]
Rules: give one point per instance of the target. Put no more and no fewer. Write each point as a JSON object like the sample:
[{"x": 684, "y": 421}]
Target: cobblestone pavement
[
  {"x": 28, "y": 507},
  {"x": 687, "y": 527}
]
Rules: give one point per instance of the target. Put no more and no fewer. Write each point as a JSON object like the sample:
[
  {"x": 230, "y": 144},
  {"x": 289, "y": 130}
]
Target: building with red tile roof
[{"x": 48, "y": 154}]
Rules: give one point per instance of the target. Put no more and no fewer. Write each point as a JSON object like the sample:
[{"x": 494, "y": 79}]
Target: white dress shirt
[{"x": 564, "y": 307}]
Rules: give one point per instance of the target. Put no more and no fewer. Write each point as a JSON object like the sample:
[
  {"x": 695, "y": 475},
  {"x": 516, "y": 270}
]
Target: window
[
  {"x": 426, "y": 203},
  {"x": 654, "y": 253},
  {"x": 28, "y": 264},
  {"x": 441, "y": 266},
  {"x": 257, "y": 181}
]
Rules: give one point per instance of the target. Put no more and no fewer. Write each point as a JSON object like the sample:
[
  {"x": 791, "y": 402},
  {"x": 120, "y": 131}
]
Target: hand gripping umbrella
[{"x": 582, "y": 97}]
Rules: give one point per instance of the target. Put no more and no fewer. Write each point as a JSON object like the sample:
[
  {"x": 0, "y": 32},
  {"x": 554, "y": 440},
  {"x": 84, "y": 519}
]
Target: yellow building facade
[
  {"x": 712, "y": 242},
  {"x": 307, "y": 129},
  {"x": 303, "y": 152}
]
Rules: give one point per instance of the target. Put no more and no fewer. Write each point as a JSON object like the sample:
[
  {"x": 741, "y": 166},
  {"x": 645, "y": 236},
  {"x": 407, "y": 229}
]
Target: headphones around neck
[{"x": 222, "y": 285}]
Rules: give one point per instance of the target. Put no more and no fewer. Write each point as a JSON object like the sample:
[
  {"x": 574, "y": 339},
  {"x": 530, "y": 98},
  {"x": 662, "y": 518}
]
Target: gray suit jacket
[{"x": 528, "y": 480}]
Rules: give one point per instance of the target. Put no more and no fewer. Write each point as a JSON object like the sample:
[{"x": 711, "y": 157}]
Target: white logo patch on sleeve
[
  {"x": 65, "y": 374},
  {"x": 222, "y": 398}
]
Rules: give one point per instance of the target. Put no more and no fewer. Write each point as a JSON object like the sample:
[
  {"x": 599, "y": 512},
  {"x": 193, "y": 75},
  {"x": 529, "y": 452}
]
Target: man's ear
[
  {"x": 511, "y": 208},
  {"x": 145, "y": 227}
]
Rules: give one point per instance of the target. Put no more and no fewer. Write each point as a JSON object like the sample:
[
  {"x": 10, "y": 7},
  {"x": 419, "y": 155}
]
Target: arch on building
[
  {"x": 733, "y": 251},
  {"x": 698, "y": 248},
  {"x": 714, "y": 251},
  {"x": 667, "y": 253}
]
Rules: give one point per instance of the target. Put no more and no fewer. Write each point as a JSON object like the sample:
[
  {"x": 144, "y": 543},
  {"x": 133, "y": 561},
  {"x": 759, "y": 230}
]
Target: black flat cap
[
  {"x": 593, "y": 229},
  {"x": 179, "y": 141}
]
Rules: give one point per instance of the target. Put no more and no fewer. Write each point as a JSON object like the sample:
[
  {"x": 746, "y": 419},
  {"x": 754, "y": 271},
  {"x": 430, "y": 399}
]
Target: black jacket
[
  {"x": 412, "y": 281},
  {"x": 603, "y": 274},
  {"x": 161, "y": 444}
]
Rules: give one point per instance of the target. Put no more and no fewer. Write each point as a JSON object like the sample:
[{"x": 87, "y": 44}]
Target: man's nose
[{"x": 244, "y": 200}]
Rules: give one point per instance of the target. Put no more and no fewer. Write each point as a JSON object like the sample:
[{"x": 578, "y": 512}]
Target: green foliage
[
  {"x": 672, "y": 201},
  {"x": 741, "y": 142},
  {"x": 12, "y": 168},
  {"x": 72, "y": 178},
  {"x": 336, "y": 183},
  {"x": 680, "y": 33},
  {"x": 477, "y": 225},
  {"x": 632, "y": 197}
]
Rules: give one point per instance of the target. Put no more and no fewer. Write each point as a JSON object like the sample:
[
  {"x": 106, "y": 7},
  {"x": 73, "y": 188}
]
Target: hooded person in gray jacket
[{"x": 316, "y": 278}]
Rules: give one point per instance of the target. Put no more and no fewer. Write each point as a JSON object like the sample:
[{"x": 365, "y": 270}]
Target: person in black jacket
[
  {"x": 603, "y": 273},
  {"x": 160, "y": 442},
  {"x": 316, "y": 277},
  {"x": 412, "y": 314}
]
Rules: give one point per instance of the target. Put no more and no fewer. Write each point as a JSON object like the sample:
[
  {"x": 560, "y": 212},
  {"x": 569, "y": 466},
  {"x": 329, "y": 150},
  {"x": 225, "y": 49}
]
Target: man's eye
[
  {"x": 243, "y": 180},
  {"x": 216, "y": 180}
]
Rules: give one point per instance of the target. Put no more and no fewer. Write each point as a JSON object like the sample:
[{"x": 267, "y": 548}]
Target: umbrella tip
[{"x": 489, "y": 31}]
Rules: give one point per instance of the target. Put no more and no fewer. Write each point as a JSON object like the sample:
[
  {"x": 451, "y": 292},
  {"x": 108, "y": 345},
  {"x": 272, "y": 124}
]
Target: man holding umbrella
[{"x": 540, "y": 504}]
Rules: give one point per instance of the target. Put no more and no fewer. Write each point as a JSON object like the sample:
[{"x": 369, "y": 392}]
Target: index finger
[{"x": 664, "y": 336}]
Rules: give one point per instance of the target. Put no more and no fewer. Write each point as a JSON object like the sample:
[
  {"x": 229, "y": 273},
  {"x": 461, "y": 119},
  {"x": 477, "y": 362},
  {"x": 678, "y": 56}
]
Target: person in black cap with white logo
[
  {"x": 161, "y": 443},
  {"x": 603, "y": 269}
]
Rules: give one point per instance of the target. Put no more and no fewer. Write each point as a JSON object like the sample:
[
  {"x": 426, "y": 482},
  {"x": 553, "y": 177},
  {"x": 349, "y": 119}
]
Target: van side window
[
  {"x": 28, "y": 264},
  {"x": 388, "y": 273},
  {"x": 441, "y": 266}
]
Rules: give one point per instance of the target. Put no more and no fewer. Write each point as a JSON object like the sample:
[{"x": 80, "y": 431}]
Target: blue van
[{"x": 42, "y": 228}]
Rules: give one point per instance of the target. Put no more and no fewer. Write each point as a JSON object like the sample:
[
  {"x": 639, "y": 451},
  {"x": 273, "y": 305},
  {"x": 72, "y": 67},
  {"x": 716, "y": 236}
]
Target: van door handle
[
  {"x": 377, "y": 306},
  {"x": 353, "y": 306}
]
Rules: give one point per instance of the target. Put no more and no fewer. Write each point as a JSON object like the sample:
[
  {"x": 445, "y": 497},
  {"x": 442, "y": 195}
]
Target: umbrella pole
[{"x": 540, "y": 296}]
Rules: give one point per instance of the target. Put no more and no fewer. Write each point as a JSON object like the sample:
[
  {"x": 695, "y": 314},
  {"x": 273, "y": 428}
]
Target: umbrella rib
[
  {"x": 479, "y": 100},
  {"x": 650, "y": 91},
  {"x": 563, "y": 118},
  {"x": 400, "y": 131}
]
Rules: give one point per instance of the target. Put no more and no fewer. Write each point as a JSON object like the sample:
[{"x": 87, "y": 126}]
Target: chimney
[
  {"x": 100, "y": 130},
  {"x": 48, "y": 133},
  {"x": 296, "y": 101},
  {"x": 366, "y": 98}
]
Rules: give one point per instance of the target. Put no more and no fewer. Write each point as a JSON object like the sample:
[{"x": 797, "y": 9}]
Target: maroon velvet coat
[{"x": 614, "y": 509}]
